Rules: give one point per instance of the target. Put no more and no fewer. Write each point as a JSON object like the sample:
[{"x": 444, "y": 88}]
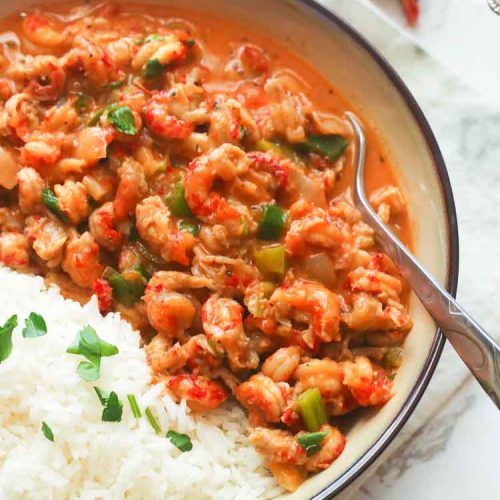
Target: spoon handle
[{"x": 476, "y": 348}]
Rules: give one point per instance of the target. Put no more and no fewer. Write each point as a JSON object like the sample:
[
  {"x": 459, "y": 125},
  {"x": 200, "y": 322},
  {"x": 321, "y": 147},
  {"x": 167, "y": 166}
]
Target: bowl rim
[{"x": 367, "y": 459}]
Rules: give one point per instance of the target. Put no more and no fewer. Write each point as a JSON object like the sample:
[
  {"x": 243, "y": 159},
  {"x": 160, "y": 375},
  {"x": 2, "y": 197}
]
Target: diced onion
[{"x": 319, "y": 267}]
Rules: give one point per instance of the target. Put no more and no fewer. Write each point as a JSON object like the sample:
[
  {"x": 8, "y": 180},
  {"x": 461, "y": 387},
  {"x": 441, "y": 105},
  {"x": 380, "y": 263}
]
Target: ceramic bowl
[{"x": 377, "y": 93}]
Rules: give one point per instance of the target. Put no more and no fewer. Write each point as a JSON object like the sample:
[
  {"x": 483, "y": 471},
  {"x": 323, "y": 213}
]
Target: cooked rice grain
[{"x": 90, "y": 459}]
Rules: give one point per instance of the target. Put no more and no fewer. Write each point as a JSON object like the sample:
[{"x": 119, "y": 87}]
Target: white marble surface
[{"x": 451, "y": 63}]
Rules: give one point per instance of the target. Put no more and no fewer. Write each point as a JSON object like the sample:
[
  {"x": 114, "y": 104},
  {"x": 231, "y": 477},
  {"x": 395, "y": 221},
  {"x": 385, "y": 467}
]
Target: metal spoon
[{"x": 476, "y": 348}]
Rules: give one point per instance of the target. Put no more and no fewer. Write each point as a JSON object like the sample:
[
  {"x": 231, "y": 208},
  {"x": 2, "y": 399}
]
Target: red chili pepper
[{"x": 411, "y": 9}]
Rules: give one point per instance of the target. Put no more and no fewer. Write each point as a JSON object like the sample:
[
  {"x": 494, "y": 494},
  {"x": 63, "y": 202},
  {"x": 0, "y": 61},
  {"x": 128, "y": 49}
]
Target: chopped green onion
[
  {"x": 332, "y": 146},
  {"x": 140, "y": 269},
  {"x": 272, "y": 223},
  {"x": 146, "y": 254},
  {"x": 89, "y": 345},
  {"x": 393, "y": 357},
  {"x": 190, "y": 43},
  {"x": 245, "y": 229},
  {"x": 6, "y": 337},
  {"x": 125, "y": 291},
  {"x": 34, "y": 326},
  {"x": 123, "y": 120},
  {"x": 189, "y": 227},
  {"x": 311, "y": 442},
  {"x": 136, "y": 411},
  {"x": 152, "y": 420},
  {"x": 312, "y": 409},
  {"x": 50, "y": 200},
  {"x": 47, "y": 432},
  {"x": 182, "y": 441},
  {"x": 177, "y": 202},
  {"x": 271, "y": 260},
  {"x": 116, "y": 85},
  {"x": 152, "y": 69}
]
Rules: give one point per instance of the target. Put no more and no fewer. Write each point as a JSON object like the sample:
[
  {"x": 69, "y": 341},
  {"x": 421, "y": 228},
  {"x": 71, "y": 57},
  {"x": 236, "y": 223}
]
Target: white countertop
[{"x": 451, "y": 63}]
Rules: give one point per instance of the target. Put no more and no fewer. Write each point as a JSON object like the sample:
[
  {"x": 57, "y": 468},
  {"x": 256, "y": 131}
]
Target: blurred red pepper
[{"x": 411, "y": 9}]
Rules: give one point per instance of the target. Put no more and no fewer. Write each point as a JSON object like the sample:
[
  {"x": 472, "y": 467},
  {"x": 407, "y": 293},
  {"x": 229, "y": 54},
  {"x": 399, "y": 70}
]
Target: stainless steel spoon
[{"x": 476, "y": 348}]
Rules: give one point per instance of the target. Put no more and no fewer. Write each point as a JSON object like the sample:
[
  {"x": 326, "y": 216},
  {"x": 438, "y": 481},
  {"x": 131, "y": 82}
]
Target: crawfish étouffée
[{"x": 197, "y": 181}]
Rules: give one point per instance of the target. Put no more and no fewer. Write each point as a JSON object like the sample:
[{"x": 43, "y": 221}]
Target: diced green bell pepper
[
  {"x": 271, "y": 260},
  {"x": 125, "y": 291},
  {"x": 272, "y": 224},
  {"x": 177, "y": 203}
]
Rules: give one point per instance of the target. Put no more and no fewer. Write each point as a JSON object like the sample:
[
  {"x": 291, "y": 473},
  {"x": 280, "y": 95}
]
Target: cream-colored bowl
[{"x": 379, "y": 95}]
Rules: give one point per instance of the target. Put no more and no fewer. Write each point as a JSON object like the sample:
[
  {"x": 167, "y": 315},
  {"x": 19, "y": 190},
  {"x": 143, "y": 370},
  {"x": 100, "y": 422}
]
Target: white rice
[{"x": 91, "y": 459}]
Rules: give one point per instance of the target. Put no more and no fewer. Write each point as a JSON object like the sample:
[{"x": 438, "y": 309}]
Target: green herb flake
[
  {"x": 123, "y": 120},
  {"x": 113, "y": 409},
  {"x": 152, "y": 69},
  {"x": 190, "y": 43},
  {"x": 136, "y": 411},
  {"x": 81, "y": 101},
  {"x": 189, "y": 227},
  {"x": 47, "y": 432},
  {"x": 34, "y": 326},
  {"x": 6, "y": 337},
  {"x": 182, "y": 441},
  {"x": 88, "y": 344},
  {"x": 311, "y": 441},
  {"x": 95, "y": 119},
  {"x": 50, "y": 200},
  {"x": 150, "y": 38},
  {"x": 152, "y": 420}
]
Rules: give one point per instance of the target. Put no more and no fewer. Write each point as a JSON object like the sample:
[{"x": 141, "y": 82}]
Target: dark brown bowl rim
[{"x": 413, "y": 398}]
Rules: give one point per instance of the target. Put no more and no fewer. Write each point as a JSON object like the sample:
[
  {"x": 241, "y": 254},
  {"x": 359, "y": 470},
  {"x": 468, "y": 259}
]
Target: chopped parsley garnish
[
  {"x": 311, "y": 441},
  {"x": 47, "y": 432},
  {"x": 50, "y": 200},
  {"x": 123, "y": 120},
  {"x": 152, "y": 420},
  {"x": 95, "y": 119},
  {"x": 182, "y": 441},
  {"x": 113, "y": 409},
  {"x": 89, "y": 345},
  {"x": 152, "y": 69},
  {"x": 190, "y": 43},
  {"x": 34, "y": 326},
  {"x": 6, "y": 337},
  {"x": 136, "y": 411}
]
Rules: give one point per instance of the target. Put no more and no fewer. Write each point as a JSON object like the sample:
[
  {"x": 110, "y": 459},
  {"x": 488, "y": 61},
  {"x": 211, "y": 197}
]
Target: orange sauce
[{"x": 219, "y": 38}]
